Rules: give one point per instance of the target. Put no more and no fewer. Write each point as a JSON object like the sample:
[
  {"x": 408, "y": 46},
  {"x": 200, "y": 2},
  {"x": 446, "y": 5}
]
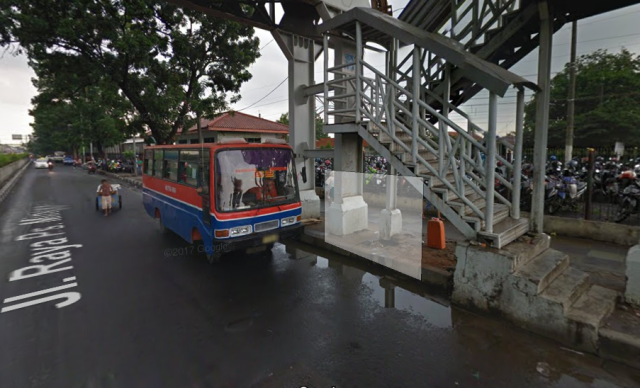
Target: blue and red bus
[{"x": 230, "y": 195}]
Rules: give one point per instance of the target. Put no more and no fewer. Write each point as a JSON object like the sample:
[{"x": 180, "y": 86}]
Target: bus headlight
[
  {"x": 288, "y": 221},
  {"x": 240, "y": 230}
]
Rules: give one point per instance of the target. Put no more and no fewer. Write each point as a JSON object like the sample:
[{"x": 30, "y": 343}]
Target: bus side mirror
[{"x": 304, "y": 174}]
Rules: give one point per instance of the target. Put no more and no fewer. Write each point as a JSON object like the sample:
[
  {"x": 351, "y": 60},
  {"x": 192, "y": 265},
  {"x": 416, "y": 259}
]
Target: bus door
[{"x": 204, "y": 178}]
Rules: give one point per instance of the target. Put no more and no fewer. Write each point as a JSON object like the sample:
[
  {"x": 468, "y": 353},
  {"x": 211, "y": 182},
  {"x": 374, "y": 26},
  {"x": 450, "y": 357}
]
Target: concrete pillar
[
  {"x": 389, "y": 293},
  {"x": 391, "y": 217},
  {"x": 300, "y": 53},
  {"x": 348, "y": 211},
  {"x": 542, "y": 117}
]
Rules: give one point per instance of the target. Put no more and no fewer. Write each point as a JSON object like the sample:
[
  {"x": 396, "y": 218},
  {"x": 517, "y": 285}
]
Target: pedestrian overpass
[
  {"x": 451, "y": 50},
  {"x": 438, "y": 54}
]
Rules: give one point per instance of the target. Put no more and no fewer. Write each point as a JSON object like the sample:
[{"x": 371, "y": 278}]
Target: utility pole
[{"x": 568, "y": 150}]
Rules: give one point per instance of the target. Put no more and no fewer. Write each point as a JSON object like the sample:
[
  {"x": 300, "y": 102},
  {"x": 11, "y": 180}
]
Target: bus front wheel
[{"x": 214, "y": 258}]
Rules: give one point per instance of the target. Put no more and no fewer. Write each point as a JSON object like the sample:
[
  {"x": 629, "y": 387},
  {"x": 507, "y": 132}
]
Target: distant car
[
  {"x": 41, "y": 163},
  {"x": 68, "y": 161}
]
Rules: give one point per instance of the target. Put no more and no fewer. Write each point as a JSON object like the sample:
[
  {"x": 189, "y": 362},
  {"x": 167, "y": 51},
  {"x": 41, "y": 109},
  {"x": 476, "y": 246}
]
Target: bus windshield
[{"x": 253, "y": 178}]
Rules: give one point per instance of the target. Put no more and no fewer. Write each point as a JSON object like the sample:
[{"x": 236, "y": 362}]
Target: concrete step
[
  {"x": 526, "y": 248},
  {"x": 593, "y": 306},
  {"x": 433, "y": 181},
  {"x": 587, "y": 315},
  {"x": 423, "y": 170},
  {"x": 424, "y": 154},
  {"x": 534, "y": 277},
  {"x": 619, "y": 336},
  {"x": 500, "y": 213},
  {"x": 506, "y": 231},
  {"x": 450, "y": 195},
  {"x": 457, "y": 202},
  {"x": 465, "y": 210},
  {"x": 567, "y": 287}
]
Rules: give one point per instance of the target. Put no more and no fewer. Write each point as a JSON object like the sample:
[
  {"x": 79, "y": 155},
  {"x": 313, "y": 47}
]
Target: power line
[
  {"x": 267, "y": 44},
  {"x": 588, "y": 51},
  {"x": 265, "y": 96}
]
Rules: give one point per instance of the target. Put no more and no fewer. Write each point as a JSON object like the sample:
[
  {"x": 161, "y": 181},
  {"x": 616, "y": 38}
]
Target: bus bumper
[{"x": 257, "y": 239}]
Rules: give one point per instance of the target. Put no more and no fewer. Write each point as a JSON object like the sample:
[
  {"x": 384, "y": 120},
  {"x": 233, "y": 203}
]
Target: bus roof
[{"x": 219, "y": 145}]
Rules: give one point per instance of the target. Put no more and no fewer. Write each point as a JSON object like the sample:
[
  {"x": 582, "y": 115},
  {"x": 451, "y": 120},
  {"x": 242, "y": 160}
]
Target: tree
[
  {"x": 284, "y": 119},
  {"x": 97, "y": 114},
  {"x": 171, "y": 64},
  {"x": 606, "y": 105}
]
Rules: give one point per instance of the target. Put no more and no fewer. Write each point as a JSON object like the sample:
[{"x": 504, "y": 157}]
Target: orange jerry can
[{"x": 435, "y": 234}]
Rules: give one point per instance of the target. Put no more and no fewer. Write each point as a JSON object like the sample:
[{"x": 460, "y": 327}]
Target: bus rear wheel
[{"x": 163, "y": 229}]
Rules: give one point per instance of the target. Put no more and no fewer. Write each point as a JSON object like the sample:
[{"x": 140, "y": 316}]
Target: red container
[{"x": 435, "y": 234}]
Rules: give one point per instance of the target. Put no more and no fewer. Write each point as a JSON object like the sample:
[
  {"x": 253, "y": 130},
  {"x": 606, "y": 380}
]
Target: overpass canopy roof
[
  {"x": 431, "y": 14},
  {"x": 380, "y": 28}
]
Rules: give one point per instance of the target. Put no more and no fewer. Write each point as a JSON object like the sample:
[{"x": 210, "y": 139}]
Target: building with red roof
[{"x": 235, "y": 124}]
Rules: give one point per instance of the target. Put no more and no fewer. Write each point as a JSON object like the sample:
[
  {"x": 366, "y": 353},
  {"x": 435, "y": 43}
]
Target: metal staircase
[
  {"x": 499, "y": 31},
  {"x": 423, "y": 134}
]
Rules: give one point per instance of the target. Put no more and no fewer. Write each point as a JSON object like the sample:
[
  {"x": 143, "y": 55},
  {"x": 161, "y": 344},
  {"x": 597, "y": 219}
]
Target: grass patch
[{"x": 10, "y": 158}]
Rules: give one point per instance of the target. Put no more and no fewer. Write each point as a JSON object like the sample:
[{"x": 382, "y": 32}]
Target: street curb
[
  {"x": 4, "y": 190},
  {"x": 124, "y": 179},
  {"x": 431, "y": 276}
]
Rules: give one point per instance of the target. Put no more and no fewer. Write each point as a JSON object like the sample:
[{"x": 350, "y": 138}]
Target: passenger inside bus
[
  {"x": 261, "y": 194},
  {"x": 182, "y": 172}
]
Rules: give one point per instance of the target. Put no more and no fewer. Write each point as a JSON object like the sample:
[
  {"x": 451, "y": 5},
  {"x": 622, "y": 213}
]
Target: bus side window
[
  {"x": 171, "y": 165},
  {"x": 148, "y": 159},
  {"x": 204, "y": 173},
  {"x": 157, "y": 163}
]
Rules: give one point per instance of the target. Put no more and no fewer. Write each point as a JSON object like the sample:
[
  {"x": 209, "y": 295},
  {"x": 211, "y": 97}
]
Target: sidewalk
[{"x": 604, "y": 262}]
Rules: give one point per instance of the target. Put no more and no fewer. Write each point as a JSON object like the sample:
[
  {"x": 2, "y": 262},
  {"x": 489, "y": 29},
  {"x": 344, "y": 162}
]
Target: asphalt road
[{"x": 153, "y": 313}]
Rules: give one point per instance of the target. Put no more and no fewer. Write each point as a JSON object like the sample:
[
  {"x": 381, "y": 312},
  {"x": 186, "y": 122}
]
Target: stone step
[
  {"x": 588, "y": 314},
  {"x": 524, "y": 249},
  {"x": 593, "y": 306},
  {"x": 567, "y": 287},
  {"x": 534, "y": 277},
  {"x": 506, "y": 231},
  {"x": 619, "y": 336}
]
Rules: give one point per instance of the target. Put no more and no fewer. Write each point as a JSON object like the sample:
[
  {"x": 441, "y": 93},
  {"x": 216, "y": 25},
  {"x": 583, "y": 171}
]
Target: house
[{"x": 235, "y": 124}]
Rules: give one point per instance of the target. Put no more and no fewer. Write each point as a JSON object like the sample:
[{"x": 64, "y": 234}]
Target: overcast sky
[{"x": 610, "y": 31}]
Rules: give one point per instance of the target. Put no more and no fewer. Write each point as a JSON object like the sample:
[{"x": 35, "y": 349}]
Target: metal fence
[{"x": 605, "y": 152}]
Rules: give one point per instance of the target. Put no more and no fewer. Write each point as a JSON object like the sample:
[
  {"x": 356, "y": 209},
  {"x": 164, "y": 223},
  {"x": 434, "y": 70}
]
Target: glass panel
[
  {"x": 157, "y": 163},
  {"x": 148, "y": 161},
  {"x": 171, "y": 165},
  {"x": 204, "y": 172},
  {"x": 254, "y": 178},
  {"x": 188, "y": 168}
]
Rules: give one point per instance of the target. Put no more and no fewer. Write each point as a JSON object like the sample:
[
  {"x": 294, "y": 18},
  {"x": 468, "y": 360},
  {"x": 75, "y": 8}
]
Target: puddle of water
[{"x": 392, "y": 296}]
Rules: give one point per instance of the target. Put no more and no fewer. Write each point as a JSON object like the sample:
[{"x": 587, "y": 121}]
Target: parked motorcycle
[
  {"x": 630, "y": 202},
  {"x": 566, "y": 194}
]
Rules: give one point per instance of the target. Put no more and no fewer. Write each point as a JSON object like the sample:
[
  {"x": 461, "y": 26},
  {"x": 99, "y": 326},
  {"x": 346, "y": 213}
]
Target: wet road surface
[{"x": 153, "y": 313}]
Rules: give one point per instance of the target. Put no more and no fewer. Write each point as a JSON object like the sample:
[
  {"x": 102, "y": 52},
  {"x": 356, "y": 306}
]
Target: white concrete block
[
  {"x": 310, "y": 204},
  {"x": 632, "y": 291},
  {"x": 347, "y": 217},
  {"x": 390, "y": 223},
  {"x": 411, "y": 268}
]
